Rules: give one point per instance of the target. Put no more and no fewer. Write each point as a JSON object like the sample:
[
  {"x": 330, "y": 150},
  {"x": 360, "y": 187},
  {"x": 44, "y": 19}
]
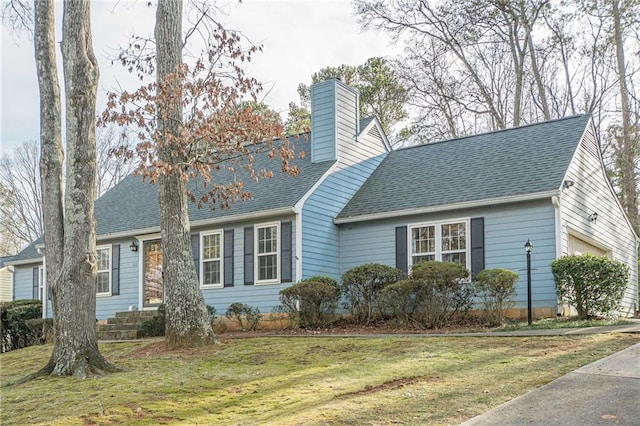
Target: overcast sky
[{"x": 299, "y": 38}]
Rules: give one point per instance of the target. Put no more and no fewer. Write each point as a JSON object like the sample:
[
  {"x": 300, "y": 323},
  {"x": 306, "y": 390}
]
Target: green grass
[
  {"x": 290, "y": 381},
  {"x": 556, "y": 323}
]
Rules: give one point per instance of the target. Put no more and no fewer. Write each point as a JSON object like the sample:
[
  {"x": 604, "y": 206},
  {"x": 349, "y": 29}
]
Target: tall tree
[
  {"x": 21, "y": 210},
  {"x": 70, "y": 233},
  {"x": 381, "y": 94},
  {"x": 194, "y": 124},
  {"x": 188, "y": 322}
]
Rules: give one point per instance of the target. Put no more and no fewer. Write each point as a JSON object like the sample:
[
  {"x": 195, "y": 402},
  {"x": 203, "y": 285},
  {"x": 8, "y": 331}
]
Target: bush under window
[
  {"x": 312, "y": 302},
  {"x": 361, "y": 287},
  {"x": 496, "y": 288}
]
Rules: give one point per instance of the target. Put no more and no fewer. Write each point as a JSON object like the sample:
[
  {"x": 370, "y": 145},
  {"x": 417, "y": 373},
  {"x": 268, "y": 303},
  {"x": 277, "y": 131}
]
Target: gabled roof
[
  {"x": 133, "y": 205},
  {"x": 28, "y": 255},
  {"x": 508, "y": 163}
]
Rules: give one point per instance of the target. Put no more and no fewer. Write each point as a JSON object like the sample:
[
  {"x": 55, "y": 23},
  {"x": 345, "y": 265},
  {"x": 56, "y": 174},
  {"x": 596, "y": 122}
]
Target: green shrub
[
  {"x": 311, "y": 303},
  {"x": 361, "y": 287},
  {"x": 246, "y": 316},
  {"x": 154, "y": 326},
  {"x": 441, "y": 292},
  {"x": 398, "y": 301},
  {"x": 16, "y": 333},
  {"x": 496, "y": 288},
  {"x": 593, "y": 284}
]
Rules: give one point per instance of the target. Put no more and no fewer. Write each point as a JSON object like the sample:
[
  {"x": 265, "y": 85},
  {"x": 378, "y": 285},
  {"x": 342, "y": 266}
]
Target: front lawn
[{"x": 299, "y": 380}]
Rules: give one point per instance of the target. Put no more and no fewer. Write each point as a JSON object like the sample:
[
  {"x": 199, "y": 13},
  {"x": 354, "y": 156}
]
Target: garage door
[{"x": 579, "y": 246}]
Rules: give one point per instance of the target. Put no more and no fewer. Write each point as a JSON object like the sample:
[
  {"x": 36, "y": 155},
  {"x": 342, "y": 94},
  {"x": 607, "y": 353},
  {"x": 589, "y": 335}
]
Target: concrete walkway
[{"x": 605, "y": 392}]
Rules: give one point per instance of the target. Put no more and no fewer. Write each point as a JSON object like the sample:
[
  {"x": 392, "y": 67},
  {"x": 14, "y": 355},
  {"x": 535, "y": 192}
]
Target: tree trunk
[
  {"x": 188, "y": 323},
  {"x": 70, "y": 234},
  {"x": 627, "y": 145}
]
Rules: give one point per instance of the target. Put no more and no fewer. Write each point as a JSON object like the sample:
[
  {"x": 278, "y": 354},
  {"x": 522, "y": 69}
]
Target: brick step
[
  {"x": 124, "y": 326},
  {"x": 136, "y": 314},
  {"x": 117, "y": 327},
  {"x": 118, "y": 335}
]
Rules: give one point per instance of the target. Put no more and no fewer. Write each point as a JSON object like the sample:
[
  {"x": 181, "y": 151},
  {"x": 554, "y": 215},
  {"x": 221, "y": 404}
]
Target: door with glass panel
[{"x": 153, "y": 288}]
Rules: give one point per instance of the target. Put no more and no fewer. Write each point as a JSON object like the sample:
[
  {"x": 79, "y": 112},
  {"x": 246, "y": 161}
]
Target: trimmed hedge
[
  {"x": 246, "y": 316},
  {"x": 593, "y": 284},
  {"x": 311, "y": 303},
  {"x": 496, "y": 288},
  {"x": 361, "y": 287},
  {"x": 22, "y": 325}
]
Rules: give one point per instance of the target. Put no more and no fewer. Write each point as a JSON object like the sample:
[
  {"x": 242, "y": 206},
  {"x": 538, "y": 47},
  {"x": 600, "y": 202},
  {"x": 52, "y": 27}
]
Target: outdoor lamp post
[{"x": 527, "y": 247}]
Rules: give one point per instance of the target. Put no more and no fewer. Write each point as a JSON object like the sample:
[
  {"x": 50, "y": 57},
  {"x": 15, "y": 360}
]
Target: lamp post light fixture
[{"x": 528, "y": 246}]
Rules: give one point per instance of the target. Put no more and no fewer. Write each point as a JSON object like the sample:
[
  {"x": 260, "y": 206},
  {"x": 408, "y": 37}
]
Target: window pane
[
  {"x": 102, "y": 284},
  {"x": 454, "y": 236},
  {"x": 418, "y": 259},
  {"x": 455, "y": 258},
  {"x": 268, "y": 240},
  {"x": 102, "y": 259},
  {"x": 211, "y": 246},
  {"x": 423, "y": 239},
  {"x": 267, "y": 267},
  {"x": 211, "y": 272}
]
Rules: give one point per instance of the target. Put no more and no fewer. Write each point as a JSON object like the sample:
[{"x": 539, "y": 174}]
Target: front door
[{"x": 153, "y": 291}]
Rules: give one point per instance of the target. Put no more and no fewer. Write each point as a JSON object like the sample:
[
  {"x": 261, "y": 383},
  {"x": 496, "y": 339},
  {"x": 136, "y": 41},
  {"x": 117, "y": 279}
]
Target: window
[
  {"x": 267, "y": 253},
  {"x": 442, "y": 241},
  {"x": 103, "y": 259},
  {"x": 211, "y": 259}
]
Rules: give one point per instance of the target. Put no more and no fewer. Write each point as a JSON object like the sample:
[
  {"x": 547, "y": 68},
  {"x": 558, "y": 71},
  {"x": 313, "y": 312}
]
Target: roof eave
[
  {"x": 445, "y": 207},
  {"x": 24, "y": 261},
  {"x": 262, "y": 214}
]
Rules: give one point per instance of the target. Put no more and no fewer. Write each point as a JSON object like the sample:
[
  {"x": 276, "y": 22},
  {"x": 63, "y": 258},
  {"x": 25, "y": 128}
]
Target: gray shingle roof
[
  {"x": 28, "y": 253},
  {"x": 523, "y": 160},
  {"x": 133, "y": 205}
]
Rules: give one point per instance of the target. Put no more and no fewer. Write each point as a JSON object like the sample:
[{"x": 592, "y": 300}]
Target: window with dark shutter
[
  {"x": 285, "y": 252},
  {"x": 248, "y": 256},
  {"x": 477, "y": 245},
  {"x": 228, "y": 258}
]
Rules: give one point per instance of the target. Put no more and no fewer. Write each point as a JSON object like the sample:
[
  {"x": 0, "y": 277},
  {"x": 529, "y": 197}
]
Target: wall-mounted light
[
  {"x": 567, "y": 183},
  {"x": 133, "y": 246},
  {"x": 593, "y": 217}
]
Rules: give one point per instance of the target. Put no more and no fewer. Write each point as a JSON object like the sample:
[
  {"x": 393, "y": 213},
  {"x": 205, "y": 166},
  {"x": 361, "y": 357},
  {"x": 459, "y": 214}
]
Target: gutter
[
  {"x": 445, "y": 207},
  {"x": 24, "y": 261}
]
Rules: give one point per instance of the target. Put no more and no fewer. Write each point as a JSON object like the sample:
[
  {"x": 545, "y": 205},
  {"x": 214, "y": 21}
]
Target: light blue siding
[
  {"x": 107, "y": 306},
  {"x": 264, "y": 297},
  {"x": 591, "y": 193},
  {"x": 507, "y": 228},
  {"x": 323, "y": 122}
]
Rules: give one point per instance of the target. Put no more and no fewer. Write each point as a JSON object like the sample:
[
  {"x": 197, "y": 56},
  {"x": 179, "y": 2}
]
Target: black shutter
[
  {"x": 285, "y": 252},
  {"x": 195, "y": 248},
  {"x": 248, "y": 255},
  {"x": 402, "y": 261},
  {"x": 36, "y": 283},
  {"x": 228, "y": 258},
  {"x": 477, "y": 246},
  {"x": 115, "y": 269}
]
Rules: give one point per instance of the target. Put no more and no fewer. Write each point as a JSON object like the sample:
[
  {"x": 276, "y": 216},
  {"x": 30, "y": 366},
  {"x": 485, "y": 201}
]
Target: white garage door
[{"x": 579, "y": 246}]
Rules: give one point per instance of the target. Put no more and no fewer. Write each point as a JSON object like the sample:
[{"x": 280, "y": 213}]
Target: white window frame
[
  {"x": 438, "y": 236},
  {"x": 256, "y": 255},
  {"x": 109, "y": 271},
  {"x": 219, "y": 232}
]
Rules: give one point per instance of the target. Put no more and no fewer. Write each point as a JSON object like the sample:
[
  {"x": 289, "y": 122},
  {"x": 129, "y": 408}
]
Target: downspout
[{"x": 555, "y": 200}]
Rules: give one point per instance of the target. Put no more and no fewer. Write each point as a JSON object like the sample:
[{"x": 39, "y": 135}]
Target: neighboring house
[
  {"x": 6, "y": 279},
  {"x": 474, "y": 200}
]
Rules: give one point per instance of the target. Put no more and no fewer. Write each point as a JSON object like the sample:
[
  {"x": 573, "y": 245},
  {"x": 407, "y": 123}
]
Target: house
[
  {"x": 474, "y": 200},
  {"x": 6, "y": 280}
]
